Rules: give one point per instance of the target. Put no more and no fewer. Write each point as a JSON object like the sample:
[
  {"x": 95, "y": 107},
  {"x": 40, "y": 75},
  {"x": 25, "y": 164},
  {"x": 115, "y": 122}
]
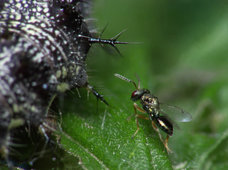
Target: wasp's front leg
[{"x": 136, "y": 107}]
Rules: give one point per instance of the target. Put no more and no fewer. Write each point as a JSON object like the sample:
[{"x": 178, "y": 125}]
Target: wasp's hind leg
[{"x": 165, "y": 142}]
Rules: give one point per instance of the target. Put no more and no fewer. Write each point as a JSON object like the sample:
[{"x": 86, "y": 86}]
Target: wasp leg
[
  {"x": 95, "y": 93},
  {"x": 137, "y": 123},
  {"x": 136, "y": 107},
  {"x": 155, "y": 127},
  {"x": 157, "y": 130},
  {"x": 165, "y": 142},
  {"x": 139, "y": 108}
]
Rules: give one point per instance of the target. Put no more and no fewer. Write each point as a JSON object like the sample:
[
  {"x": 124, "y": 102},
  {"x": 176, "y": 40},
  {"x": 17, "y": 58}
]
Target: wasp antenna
[
  {"x": 137, "y": 76},
  {"x": 134, "y": 84},
  {"x": 125, "y": 79},
  {"x": 122, "y": 77}
]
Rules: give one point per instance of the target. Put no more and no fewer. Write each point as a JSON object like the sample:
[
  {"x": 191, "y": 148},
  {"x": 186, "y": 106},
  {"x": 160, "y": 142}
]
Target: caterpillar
[{"x": 43, "y": 49}]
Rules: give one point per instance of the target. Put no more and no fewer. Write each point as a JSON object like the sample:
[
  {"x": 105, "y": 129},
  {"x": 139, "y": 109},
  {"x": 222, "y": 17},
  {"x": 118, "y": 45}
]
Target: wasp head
[{"x": 137, "y": 94}]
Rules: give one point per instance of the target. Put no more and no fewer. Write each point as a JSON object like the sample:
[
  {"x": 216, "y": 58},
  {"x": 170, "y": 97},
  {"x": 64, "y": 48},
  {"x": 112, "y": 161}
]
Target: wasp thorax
[{"x": 148, "y": 99}]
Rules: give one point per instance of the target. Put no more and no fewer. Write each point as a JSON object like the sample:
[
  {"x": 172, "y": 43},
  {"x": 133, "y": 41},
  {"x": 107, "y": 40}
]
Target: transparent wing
[{"x": 175, "y": 113}]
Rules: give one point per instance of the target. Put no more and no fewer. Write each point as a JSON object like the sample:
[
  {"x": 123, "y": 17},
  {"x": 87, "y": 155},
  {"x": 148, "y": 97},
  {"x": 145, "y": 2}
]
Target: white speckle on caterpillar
[
  {"x": 36, "y": 44},
  {"x": 43, "y": 49}
]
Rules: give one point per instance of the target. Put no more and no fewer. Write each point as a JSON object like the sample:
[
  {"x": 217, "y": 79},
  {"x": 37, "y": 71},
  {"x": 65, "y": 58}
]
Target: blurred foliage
[{"x": 182, "y": 60}]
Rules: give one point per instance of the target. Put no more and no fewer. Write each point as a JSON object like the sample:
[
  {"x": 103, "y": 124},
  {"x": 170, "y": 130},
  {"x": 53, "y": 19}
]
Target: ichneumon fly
[{"x": 162, "y": 115}]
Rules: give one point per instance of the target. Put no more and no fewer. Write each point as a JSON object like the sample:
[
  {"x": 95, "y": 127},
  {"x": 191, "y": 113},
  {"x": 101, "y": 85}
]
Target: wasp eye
[{"x": 135, "y": 95}]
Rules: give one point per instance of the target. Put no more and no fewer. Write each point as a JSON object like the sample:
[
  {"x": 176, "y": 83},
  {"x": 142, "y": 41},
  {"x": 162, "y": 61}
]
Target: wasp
[{"x": 161, "y": 114}]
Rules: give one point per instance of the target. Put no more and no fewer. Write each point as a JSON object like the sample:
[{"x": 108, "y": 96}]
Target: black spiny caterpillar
[{"x": 43, "y": 48}]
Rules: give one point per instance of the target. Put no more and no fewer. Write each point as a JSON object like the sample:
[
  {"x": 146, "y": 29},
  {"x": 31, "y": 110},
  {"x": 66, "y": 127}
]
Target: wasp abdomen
[{"x": 164, "y": 124}]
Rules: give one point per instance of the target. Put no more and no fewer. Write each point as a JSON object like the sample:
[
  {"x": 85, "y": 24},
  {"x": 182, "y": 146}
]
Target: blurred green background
[{"x": 182, "y": 60}]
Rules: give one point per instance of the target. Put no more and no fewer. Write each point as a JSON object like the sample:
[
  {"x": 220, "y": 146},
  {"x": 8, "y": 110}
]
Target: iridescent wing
[{"x": 175, "y": 113}]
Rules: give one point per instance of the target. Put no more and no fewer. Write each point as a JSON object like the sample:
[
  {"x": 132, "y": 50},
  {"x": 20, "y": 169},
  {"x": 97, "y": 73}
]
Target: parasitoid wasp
[{"x": 162, "y": 115}]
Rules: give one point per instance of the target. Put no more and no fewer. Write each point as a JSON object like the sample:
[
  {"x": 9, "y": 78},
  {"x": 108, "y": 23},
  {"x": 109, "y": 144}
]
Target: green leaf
[
  {"x": 103, "y": 138},
  {"x": 217, "y": 155},
  {"x": 183, "y": 61}
]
